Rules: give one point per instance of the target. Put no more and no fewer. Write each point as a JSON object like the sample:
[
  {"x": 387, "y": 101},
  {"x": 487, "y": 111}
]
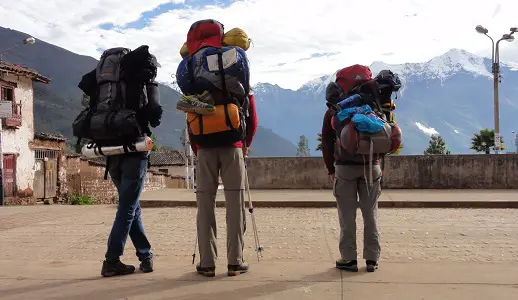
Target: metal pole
[
  {"x": 186, "y": 137},
  {"x": 496, "y": 79},
  {"x": 192, "y": 167},
  {"x": 189, "y": 170}
]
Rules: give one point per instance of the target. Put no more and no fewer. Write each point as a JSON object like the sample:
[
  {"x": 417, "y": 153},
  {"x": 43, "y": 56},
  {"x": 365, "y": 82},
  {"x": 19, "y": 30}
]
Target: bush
[{"x": 82, "y": 200}]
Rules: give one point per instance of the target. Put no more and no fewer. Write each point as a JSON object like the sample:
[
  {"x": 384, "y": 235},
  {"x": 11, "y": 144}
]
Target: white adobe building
[{"x": 16, "y": 86}]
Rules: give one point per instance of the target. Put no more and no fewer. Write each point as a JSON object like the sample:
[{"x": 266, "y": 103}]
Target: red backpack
[
  {"x": 352, "y": 76},
  {"x": 204, "y": 33}
]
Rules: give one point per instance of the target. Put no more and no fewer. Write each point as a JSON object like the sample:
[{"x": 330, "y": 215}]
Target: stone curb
[{"x": 331, "y": 204}]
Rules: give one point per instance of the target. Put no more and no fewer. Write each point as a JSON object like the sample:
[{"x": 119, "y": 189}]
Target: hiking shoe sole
[
  {"x": 207, "y": 273},
  {"x": 348, "y": 269},
  {"x": 116, "y": 273},
  {"x": 235, "y": 273}
]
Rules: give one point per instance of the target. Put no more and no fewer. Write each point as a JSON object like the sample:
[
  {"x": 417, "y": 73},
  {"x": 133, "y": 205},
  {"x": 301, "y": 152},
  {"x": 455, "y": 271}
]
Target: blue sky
[
  {"x": 146, "y": 16},
  {"x": 295, "y": 41}
]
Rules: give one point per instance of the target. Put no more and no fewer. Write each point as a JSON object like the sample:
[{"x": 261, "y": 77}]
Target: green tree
[
  {"x": 156, "y": 146},
  {"x": 436, "y": 146},
  {"x": 319, "y": 140},
  {"x": 303, "y": 146},
  {"x": 484, "y": 141}
]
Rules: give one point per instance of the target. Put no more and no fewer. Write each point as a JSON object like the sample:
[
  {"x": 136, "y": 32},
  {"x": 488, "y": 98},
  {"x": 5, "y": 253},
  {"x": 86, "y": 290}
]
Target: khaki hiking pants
[
  {"x": 230, "y": 162},
  {"x": 350, "y": 185}
]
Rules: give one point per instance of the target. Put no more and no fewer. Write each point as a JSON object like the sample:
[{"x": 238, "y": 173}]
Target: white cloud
[
  {"x": 284, "y": 31},
  {"x": 428, "y": 130}
]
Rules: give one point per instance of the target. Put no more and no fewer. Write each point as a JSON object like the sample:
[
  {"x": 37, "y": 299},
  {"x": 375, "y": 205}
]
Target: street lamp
[
  {"x": 515, "y": 140},
  {"x": 495, "y": 68},
  {"x": 27, "y": 41}
]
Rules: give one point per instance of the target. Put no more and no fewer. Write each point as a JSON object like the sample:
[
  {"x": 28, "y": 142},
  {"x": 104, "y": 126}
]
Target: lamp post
[
  {"x": 189, "y": 171},
  {"x": 495, "y": 68},
  {"x": 27, "y": 41}
]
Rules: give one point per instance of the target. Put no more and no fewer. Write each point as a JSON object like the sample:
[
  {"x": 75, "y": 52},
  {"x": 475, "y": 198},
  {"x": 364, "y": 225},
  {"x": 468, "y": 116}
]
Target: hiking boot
[
  {"x": 146, "y": 265},
  {"x": 116, "y": 268},
  {"x": 372, "y": 265},
  {"x": 234, "y": 270},
  {"x": 207, "y": 272},
  {"x": 347, "y": 265},
  {"x": 201, "y": 104}
]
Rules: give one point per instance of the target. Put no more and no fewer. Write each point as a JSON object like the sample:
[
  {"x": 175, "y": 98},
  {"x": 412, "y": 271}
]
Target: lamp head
[{"x": 481, "y": 29}]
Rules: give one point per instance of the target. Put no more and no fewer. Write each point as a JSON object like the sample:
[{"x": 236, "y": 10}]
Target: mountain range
[
  {"x": 450, "y": 95},
  {"x": 56, "y": 105}
]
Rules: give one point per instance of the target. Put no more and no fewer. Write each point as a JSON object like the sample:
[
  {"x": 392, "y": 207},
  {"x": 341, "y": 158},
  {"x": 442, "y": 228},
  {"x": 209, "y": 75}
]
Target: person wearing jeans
[{"x": 128, "y": 173}]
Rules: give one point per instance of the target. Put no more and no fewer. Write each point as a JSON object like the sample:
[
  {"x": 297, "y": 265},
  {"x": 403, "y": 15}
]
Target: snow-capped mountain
[
  {"x": 451, "y": 95},
  {"x": 173, "y": 85}
]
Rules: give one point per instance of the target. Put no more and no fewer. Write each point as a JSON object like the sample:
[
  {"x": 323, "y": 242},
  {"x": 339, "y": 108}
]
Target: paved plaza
[{"x": 55, "y": 252}]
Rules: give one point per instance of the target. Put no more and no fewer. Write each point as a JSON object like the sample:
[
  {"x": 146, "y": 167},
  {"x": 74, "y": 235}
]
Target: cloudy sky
[{"x": 294, "y": 40}]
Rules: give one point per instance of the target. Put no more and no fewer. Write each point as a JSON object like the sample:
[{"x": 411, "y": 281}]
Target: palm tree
[
  {"x": 319, "y": 139},
  {"x": 484, "y": 141}
]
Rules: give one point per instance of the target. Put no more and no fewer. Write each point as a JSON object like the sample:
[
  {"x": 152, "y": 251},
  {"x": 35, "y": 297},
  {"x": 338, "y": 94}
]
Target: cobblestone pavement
[
  {"x": 66, "y": 235},
  {"x": 71, "y": 232}
]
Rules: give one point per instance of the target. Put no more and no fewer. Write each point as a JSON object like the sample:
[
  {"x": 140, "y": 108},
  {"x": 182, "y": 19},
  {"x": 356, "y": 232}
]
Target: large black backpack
[{"x": 117, "y": 91}]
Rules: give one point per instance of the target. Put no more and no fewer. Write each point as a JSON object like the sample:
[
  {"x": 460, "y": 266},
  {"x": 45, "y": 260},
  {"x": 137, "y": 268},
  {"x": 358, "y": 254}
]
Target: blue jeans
[{"x": 128, "y": 173}]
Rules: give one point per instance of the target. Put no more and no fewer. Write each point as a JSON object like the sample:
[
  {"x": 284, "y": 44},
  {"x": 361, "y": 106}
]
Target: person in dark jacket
[
  {"x": 348, "y": 174},
  {"x": 128, "y": 173}
]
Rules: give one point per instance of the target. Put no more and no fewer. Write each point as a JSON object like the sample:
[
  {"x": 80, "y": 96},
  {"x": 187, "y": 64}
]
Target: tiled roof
[
  {"x": 50, "y": 136},
  {"x": 22, "y": 71},
  {"x": 167, "y": 157}
]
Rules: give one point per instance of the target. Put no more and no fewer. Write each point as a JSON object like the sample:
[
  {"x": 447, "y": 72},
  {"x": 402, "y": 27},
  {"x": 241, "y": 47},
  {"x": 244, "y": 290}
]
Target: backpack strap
[
  {"x": 107, "y": 168},
  {"x": 225, "y": 90}
]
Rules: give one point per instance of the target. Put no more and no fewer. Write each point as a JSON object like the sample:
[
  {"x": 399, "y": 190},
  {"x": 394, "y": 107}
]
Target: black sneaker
[
  {"x": 146, "y": 265},
  {"x": 371, "y": 265},
  {"x": 207, "y": 272},
  {"x": 116, "y": 268},
  {"x": 234, "y": 270},
  {"x": 347, "y": 265}
]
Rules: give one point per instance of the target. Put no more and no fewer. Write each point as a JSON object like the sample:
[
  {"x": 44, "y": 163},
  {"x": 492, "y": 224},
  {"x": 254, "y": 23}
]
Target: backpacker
[
  {"x": 224, "y": 73},
  {"x": 360, "y": 122},
  {"x": 117, "y": 90}
]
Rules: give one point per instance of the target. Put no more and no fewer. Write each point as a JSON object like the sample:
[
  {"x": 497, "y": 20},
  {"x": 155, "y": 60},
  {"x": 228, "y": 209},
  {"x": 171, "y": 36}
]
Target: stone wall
[
  {"x": 401, "y": 172},
  {"x": 87, "y": 178}
]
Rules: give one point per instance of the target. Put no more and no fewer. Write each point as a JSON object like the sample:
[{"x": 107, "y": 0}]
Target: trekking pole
[
  {"x": 195, "y": 245},
  {"x": 258, "y": 247},
  {"x": 195, "y": 242}
]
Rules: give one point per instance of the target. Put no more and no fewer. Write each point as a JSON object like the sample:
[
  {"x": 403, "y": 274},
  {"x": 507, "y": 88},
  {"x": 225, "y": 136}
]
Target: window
[
  {"x": 7, "y": 94},
  {"x": 163, "y": 171}
]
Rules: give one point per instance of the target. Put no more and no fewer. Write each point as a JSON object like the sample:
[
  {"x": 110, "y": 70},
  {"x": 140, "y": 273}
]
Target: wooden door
[{"x": 9, "y": 175}]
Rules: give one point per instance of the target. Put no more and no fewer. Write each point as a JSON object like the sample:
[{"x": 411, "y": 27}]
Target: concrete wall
[
  {"x": 403, "y": 172},
  {"x": 16, "y": 141}
]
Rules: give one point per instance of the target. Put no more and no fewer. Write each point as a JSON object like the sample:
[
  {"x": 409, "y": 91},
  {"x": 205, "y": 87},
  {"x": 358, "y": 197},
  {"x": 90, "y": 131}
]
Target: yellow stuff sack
[
  {"x": 236, "y": 37},
  {"x": 203, "y": 125},
  {"x": 184, "y": 51}
]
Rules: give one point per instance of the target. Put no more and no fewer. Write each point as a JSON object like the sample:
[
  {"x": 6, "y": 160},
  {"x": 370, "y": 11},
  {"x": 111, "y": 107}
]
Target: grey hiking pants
[
  {"x": 230, "y": 162},
  {"x": 350, "y": 185}
]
